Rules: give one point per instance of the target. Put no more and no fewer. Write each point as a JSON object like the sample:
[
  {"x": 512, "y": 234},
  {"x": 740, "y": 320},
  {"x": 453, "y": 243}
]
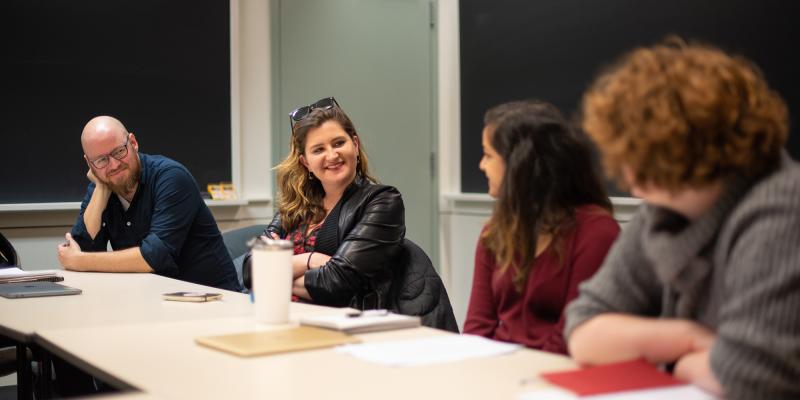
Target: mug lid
[{"x": 265, "y": 243}]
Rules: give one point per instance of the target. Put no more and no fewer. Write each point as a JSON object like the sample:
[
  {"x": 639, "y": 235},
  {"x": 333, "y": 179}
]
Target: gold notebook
[{"x": 277, "y": 341}]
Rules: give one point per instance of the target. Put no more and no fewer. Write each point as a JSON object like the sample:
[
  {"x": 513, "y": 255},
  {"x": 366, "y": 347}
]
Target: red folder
[{"x": 616, "y": 377}]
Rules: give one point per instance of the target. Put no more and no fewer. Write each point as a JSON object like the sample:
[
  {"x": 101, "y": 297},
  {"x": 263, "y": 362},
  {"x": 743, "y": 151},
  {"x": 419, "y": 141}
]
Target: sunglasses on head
[{"x": 301, "y": 112}]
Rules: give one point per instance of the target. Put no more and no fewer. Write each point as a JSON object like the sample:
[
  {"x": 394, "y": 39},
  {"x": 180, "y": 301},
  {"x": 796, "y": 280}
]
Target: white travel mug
[{"x": 272, "y": 280}]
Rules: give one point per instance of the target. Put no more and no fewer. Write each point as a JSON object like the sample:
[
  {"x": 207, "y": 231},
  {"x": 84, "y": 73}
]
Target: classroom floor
[{"x": 8, "y": 392}]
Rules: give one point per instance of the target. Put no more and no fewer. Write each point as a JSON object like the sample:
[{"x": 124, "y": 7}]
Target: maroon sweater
[{"x": 535, "y": 317}]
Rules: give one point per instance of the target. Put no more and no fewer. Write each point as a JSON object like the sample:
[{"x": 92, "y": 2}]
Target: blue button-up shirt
[{"x": 171, "y": 224}]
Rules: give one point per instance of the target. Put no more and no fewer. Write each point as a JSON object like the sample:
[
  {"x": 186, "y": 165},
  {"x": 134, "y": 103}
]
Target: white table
[
  {"x": 113, "y": 299},
  {"x": 108, "y": 299},
  {"x": 162, "y": 359},
  {"x": 121, "y": 331}
]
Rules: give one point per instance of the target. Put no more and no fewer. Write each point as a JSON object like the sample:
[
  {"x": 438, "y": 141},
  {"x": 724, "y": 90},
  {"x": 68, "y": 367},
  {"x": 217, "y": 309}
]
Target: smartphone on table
[{"x": 192, "y": 296}]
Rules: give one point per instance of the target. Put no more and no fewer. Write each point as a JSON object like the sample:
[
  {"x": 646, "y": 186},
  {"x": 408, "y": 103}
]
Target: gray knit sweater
[{"x": 736, "y": 270}]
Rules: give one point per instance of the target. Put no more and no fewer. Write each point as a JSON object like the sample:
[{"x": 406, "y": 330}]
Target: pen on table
[
  {"x": 367, "y": 313},
  {"x": 530, "y": 380}
]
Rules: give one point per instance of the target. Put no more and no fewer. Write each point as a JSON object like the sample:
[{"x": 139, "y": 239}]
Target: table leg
[
  {"x": 24, "y": 372},
  {"x": 45, "y": 383}
]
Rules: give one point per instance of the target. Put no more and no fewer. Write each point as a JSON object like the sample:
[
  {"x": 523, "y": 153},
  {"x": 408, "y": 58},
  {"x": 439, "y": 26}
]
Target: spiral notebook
[
  {"x": 362, "y": 321},
  {"x": 14, "y": 274}
]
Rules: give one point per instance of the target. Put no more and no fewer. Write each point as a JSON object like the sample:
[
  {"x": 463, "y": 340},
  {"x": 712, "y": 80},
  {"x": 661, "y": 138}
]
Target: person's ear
[
  {"x": 303, "y": 161},
  {"x": 134, "y": 143},
  {"x": 355, "y": 141}
]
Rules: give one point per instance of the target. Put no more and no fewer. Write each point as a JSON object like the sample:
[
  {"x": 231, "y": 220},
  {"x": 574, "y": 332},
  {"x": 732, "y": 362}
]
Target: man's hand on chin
[
  {"x": 69, "y": 254},
  {"x": 91, "y": 177}
]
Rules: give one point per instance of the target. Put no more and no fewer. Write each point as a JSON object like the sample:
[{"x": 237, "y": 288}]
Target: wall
[{"x": 461, "y": 216}]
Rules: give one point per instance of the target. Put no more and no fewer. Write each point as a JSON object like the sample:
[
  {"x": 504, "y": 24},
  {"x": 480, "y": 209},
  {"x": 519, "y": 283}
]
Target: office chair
[
  {"x": 8, "y": 351},
  {"x": 8, "y": 256},
  {"x": 236, "y": 243}
]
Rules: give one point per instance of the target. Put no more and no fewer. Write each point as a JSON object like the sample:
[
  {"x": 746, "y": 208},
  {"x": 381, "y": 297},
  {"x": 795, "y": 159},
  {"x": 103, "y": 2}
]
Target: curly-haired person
[{"x": 706, "y": 277}]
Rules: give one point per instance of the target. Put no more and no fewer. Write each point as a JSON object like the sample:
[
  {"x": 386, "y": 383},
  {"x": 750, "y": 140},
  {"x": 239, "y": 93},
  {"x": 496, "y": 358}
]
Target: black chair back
[
  {"x": 418, "y": 290},
  {"x": 8, "y": 256}
]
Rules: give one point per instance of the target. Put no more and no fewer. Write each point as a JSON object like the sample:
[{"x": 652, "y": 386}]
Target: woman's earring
[{"x": 310, "y": 176}]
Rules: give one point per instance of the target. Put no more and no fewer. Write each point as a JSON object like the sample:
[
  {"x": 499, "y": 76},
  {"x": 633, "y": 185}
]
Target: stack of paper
[
  {"x": 362, "y": 322},
  {"x": 14, "y": 274}
]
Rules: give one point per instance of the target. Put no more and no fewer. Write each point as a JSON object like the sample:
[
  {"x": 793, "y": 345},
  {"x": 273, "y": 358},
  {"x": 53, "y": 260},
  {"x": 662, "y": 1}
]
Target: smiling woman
[
  {"x": 325, "y": 157},
  {"x": 347, "y": 229},
  {"x": 331, "y": 156}
]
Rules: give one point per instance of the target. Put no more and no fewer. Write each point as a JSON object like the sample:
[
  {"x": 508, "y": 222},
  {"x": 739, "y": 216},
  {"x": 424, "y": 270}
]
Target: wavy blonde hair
[
  {"x": 299, "y": 195},
  {"x": 684, "y": 115}
]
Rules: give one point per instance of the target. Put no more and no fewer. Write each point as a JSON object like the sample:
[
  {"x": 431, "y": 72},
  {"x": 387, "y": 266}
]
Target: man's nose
[{"x": 113, "y": 163}]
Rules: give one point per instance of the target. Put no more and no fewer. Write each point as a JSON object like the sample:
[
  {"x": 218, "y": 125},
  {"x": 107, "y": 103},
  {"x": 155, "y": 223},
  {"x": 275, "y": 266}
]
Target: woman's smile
[{"x": 335, "y": 166}]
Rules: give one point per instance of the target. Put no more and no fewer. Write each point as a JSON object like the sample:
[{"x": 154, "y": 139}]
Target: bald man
[{"x": 151, "y": 211}]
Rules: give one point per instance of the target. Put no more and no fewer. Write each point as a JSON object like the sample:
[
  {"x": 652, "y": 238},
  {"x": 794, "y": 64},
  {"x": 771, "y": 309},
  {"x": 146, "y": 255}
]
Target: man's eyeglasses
[
  {"x": 119, "y": 153},
  {"x": 301, "y": 112}
]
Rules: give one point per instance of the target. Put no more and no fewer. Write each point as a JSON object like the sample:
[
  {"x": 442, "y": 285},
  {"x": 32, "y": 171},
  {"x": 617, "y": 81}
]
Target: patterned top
[{"x": 304, "y": 243}]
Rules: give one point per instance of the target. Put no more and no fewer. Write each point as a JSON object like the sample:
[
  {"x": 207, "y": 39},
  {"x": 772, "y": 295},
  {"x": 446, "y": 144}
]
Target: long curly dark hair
[{"x": 549, "y": 172}]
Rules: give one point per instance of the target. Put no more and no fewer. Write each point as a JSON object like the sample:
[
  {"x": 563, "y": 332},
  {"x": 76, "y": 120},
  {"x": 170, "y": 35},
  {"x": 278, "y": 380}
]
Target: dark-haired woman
[{"x": 550, "y": 229}]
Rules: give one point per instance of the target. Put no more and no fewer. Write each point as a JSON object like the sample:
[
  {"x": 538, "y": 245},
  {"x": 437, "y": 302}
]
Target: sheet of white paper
[
  {"x": 687, "y": 392},
  {"x": 440, "y": 349}
]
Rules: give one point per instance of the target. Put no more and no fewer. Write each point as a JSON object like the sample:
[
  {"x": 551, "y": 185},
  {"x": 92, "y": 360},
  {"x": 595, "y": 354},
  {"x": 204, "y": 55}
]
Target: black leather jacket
[{"x": 362, "y": 234}]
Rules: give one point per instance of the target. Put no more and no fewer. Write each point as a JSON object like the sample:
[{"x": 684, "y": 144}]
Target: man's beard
[{"x": 128, "y": 186}]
